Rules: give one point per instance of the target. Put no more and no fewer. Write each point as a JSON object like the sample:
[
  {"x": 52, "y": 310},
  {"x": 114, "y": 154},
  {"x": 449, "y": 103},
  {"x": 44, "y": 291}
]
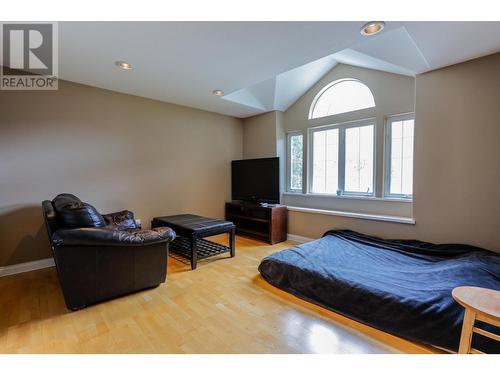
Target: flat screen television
[{"x": 256, "y": 180}]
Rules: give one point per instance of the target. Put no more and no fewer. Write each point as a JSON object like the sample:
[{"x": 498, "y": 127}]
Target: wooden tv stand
[{"x": 266, "y": 223}]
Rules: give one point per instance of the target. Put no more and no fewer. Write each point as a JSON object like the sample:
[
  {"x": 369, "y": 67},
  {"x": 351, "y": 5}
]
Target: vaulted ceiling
[{"x": 261, "y": 66}]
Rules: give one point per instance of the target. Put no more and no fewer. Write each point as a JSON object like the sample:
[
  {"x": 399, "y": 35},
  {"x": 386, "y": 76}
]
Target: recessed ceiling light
[
  {"x": 218, "y": 92},
  {"x": 372, "y": 28},
  {"x": 123, "y": 64}
]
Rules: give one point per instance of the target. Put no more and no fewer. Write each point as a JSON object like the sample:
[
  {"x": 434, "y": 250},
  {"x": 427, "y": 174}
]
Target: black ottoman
[{"x": 191, "y": 229}]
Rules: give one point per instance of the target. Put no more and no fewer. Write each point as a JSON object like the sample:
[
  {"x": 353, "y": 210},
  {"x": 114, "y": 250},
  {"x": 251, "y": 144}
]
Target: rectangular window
[
  {"x": 325, "y": 161},
  {"x": 359, "y": 160},
  {"x": 295, "y": 161},
  {"x": 399, "y": 179},
  {"x": 343, "y": 159}
]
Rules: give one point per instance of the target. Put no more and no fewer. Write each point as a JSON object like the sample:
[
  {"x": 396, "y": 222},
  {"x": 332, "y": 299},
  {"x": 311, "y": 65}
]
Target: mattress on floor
[{"x": 399, "y": 286}]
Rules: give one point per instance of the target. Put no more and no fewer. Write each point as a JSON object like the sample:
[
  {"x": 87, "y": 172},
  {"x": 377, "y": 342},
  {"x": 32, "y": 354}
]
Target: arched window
[{"x": 341, "y": 96}]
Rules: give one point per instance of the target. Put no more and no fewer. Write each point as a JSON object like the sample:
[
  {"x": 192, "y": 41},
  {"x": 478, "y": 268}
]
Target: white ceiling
[{"x": 261, "y": 66}]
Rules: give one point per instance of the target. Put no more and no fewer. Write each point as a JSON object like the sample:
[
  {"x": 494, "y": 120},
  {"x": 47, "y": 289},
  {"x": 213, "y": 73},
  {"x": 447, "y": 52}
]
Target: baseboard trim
[
  {"x": 26, "y": 267},
  {"x": 297, "y": 238}
]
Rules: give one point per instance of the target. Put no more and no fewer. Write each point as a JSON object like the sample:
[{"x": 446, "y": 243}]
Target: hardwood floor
[{"x": 222, "y": 307}]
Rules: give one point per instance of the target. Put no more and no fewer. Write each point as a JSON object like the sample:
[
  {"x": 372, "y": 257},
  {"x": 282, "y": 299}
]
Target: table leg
[
  {"x": 231, "y": 241},
  {"x": 194, "y": 254},
  {"x": 466, "y": 337}
]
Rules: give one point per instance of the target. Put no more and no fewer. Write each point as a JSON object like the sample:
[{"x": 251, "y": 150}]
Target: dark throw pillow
[
  {"x": 65, "y": 200},
  {"x": 73, "y": 213}
]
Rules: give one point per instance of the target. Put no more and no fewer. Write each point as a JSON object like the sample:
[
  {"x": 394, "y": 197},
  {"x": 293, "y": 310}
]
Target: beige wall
[
  {"x": 457, "y": 150},
  {"x": 264, "y": 137},
  {"x": 457, "y": 162},
  {"x": 281, "y": 147},
  {"x": 114, "y": 151},
  {"x": 259, "y": 136}
]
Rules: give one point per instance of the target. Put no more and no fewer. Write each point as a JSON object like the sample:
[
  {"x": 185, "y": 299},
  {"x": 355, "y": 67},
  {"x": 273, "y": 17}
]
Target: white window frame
[
  {"x": 341, "y": 172},
  {"x": 387, "y": 155},
  {"x": 289, "y": 160}
]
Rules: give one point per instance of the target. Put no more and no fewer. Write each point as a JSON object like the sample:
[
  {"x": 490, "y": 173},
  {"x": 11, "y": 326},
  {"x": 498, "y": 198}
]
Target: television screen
[{"x": 256, "y": 180}]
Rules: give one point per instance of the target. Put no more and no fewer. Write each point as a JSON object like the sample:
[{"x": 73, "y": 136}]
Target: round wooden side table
[{"x": 480, "y": 304}]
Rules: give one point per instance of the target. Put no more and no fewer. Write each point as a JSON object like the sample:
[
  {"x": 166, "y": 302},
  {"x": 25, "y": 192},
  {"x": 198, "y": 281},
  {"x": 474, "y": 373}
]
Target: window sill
[
  {"x": 355, "y": 197},
  {"x": 356, "y": 215}
]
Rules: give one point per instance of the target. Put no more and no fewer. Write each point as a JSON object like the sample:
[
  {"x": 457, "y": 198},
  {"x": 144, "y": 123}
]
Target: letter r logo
[{"x": 28, "y": 47}]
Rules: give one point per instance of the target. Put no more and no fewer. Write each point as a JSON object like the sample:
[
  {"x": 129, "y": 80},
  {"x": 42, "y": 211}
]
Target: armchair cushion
[
  {"x": 120, "y": 220},
  {"x": 111, "y": 236}
]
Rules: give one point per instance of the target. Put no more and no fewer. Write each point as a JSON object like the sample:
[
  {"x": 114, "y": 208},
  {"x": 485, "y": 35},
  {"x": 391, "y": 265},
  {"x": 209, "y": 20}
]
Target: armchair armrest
[{"x": 111, "y": 237}]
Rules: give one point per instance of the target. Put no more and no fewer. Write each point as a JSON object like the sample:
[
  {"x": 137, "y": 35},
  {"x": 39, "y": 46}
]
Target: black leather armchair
[{"x": 99, "y": 257}]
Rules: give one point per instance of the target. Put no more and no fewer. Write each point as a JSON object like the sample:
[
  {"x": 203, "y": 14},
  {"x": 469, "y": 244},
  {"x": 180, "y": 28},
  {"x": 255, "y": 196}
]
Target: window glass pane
[
  {"x": 359, "y": 159},
  {"x": 325, "y": 161},
  {"x": 344, "y": 96},
  {"x": 296, "y": 155},
  {"x": 401, "y": 178}
]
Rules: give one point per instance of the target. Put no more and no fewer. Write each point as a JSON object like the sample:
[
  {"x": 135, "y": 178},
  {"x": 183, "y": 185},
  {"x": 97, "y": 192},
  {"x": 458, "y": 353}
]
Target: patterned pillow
[{"x": 121, "y": 220}]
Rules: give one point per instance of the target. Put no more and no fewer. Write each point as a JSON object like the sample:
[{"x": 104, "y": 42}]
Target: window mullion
[{"x": 341, "y": 159}]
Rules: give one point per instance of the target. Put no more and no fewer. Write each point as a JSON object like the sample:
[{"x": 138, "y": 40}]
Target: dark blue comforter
[{"x": 399, "y": 286}]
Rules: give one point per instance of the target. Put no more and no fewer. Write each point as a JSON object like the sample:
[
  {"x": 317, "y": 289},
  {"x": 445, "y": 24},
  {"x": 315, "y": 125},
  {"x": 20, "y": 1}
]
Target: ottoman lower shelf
[{"x": 204, "y": 248}]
